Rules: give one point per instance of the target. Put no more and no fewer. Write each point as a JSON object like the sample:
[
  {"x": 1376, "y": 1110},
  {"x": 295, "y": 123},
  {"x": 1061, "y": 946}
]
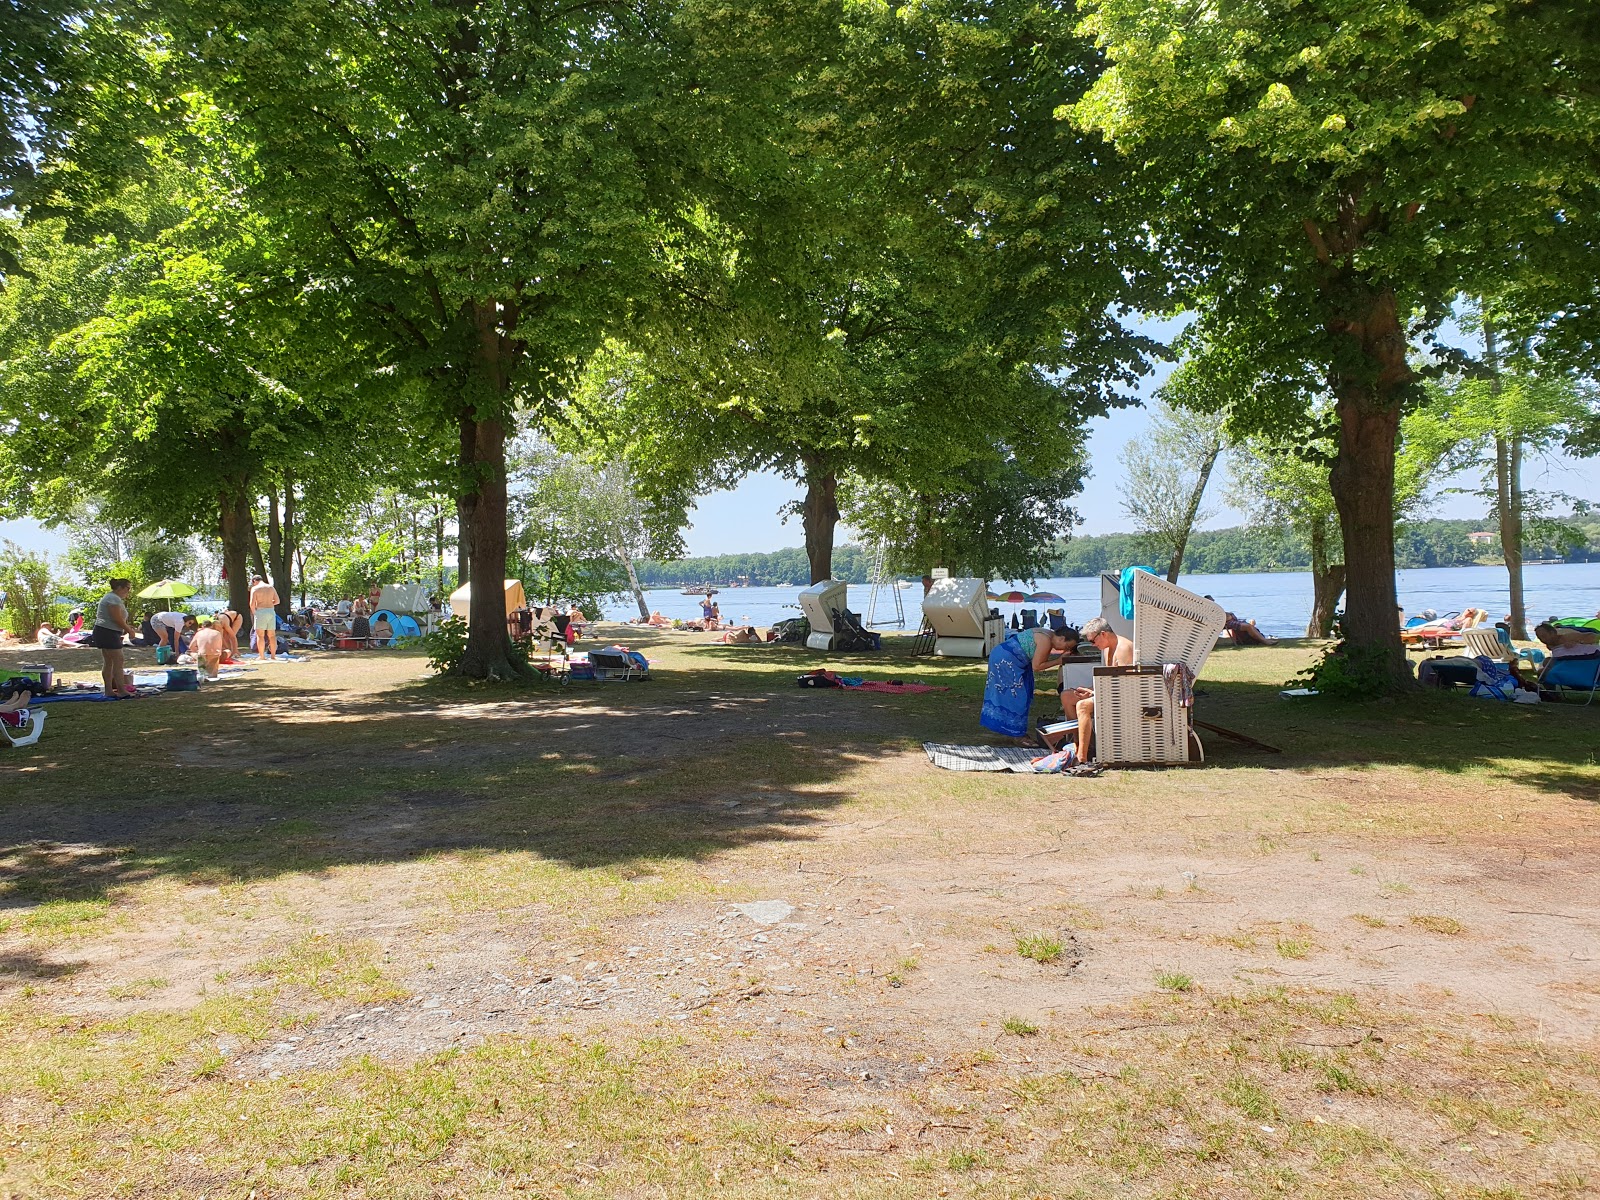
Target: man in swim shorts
[{"x": 264, "y": 605}]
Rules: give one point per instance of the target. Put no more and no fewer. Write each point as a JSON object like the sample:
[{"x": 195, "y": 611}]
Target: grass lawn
[{"x": 334, "y": 929}]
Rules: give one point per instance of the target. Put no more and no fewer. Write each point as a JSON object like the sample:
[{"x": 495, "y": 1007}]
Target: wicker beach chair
[{"x": 1140, "y": 713}]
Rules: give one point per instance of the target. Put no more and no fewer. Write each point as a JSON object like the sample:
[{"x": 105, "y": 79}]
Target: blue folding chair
[
  {"x": 1496, "y": 681},
  {"x": 1573, "y": 675}
]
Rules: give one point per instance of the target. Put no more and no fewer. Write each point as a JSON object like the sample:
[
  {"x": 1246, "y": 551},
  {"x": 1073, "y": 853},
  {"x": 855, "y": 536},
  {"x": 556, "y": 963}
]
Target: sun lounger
[
  {"x": 1434, "y": 634},
  {"x": 20, "y": 724}
]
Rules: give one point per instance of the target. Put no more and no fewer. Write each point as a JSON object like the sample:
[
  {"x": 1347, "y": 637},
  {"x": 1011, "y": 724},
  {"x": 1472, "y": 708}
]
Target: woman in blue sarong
[{"x": 1008, "y": 692}]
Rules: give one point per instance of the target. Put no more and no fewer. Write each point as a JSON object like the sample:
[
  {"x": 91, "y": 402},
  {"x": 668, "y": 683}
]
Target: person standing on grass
[
  {"x": 1008, "y": 687},
  {"x": 110, "y": 624},
  {"x": 264, "y": 604}
]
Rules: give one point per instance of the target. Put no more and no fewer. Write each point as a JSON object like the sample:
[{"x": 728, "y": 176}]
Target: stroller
[{"x": 850, "y": 634}]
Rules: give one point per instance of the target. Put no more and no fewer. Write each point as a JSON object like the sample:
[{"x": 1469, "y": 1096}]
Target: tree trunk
[
  {"x": 233, "y": 526},
  {"x": 633, "y": 583},
  {"x": 1181, "y": 540},
  {"x": 280, "y": 546},
  {"x": 1507, "y": 491},
  {"x": 252, "y": 541},
  {"x": 819, "y": 516},
  {"x": 438, "y": 548},
  {"x": 1368, "y": 378},
  {"x": 488, "y": 650},
  {"x": 466, "y": 499},
  {"x": 1327, "y": 583}
]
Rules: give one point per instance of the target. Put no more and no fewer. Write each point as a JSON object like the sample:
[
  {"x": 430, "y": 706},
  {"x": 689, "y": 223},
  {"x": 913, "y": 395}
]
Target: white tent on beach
[{"x": 461, "y": 599}]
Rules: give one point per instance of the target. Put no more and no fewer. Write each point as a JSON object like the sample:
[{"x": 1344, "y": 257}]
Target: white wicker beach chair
[{"x": 1136, "y": 719}]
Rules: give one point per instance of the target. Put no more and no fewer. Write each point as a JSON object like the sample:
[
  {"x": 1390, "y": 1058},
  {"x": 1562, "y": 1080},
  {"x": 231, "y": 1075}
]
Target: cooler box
[
  {"x": 957, "y": 610},
  {"x": 819, "y": 602},
  {"x": 41, "y": 673}
]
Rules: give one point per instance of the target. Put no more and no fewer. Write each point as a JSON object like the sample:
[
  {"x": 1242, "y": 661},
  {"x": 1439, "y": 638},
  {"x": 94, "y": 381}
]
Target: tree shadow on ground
[
  {"x": 1548, "y": 747},
  {"x": 262, "y": 778},
  {"x": 266, "y": 775}
]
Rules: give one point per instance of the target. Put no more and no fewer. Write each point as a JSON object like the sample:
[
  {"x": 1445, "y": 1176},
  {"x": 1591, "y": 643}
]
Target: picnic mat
[{"x": 981, "y": 758}]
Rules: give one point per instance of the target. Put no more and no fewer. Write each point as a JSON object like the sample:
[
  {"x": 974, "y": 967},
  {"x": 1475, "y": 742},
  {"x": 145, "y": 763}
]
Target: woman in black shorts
[{"x": 110, "y": 623}]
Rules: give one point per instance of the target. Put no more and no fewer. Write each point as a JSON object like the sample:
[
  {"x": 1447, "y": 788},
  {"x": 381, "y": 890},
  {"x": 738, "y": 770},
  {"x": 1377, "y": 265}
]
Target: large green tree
[
  {"x": 477, "y": 179},
  {"x": 932, "y": 240},
  {"x": 1326, "y": 177},
  {"x": 1489, "y": 423},
  {"x": 177, "y": 373}
]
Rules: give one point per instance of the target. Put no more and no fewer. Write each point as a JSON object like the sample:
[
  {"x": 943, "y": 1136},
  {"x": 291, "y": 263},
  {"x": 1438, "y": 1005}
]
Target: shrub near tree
[{"x": 29, "y": 586}]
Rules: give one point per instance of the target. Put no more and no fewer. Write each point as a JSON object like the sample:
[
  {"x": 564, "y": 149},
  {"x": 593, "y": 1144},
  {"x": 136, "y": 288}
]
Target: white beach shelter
[
  {"x": 818, "y": 602},
  {"x": 461, "y": 599},
  {"x": 1137, "y": 718},
  {"x": 957, "y": 610}
]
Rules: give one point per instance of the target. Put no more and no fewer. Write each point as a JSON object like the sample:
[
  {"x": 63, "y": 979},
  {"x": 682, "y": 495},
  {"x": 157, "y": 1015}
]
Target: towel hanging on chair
[{"x": 1126, "y": 587}]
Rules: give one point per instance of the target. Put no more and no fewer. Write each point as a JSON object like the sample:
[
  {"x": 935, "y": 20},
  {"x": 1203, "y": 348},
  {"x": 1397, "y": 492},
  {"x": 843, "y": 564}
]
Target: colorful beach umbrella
[
  {"x": 1009, "y": 597},
  {"x": 1045, "y": 598},
  {"x": 168, "y": 589}
]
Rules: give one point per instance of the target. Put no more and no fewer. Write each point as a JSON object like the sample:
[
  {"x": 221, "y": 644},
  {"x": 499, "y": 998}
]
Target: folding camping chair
[{"x": 1578, "y": 675}]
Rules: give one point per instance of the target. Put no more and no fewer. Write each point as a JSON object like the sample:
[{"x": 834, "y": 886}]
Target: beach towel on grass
[{"x": 981, "y": 758}]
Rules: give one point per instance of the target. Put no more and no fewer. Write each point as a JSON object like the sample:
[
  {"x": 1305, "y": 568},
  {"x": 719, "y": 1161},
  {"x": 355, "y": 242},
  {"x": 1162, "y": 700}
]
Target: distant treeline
[
  {"x": 1239, "y": 550},
  {"x": 850, "y": 563}
]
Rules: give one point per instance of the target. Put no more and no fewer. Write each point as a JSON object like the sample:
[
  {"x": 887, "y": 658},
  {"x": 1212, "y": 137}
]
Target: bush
[
  {"x": 448, "y": 643},
  {"x": 28, "y": 586},
  {"x": 1347, "y": 672}
]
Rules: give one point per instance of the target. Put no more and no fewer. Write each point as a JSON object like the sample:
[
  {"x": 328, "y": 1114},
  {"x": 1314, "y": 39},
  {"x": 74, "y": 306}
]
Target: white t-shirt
[{"x": 169, "y": 620}]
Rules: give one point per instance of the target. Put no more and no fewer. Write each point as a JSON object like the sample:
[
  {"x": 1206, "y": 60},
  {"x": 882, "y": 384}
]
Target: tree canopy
[{"x": 1325, "y": 179}]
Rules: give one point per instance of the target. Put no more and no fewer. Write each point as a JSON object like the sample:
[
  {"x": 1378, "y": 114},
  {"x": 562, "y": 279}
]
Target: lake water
[{"x": 1279, "y": 603}]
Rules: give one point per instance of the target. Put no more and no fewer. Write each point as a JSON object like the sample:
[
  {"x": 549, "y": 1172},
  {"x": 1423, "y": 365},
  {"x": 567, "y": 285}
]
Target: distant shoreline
[{"x": 728, "y": 587}]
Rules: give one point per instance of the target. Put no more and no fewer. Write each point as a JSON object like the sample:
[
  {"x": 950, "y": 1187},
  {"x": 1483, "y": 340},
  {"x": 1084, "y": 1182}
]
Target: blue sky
[{"x": 746, "y": 518}]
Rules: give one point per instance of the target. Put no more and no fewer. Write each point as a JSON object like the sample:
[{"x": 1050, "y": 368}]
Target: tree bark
[
  {"x": 1507, "y": 491},
  {"x": 1368, "y": 378},
  {"x": 633, "y": 583},
  {"x": 488, "y": 650},
  {"x": 1181, "y": 539},
  {"x": 234, "y": 528},
  {"x": 1327, "y": 583},
  {"x": 281, "y": 545},
  {"x": 466, "y": 499},
  {"x": 252, "y": 541},
  {"x": 819, "y": 516}
]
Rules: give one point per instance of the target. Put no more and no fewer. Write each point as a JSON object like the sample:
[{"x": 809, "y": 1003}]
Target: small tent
[
  {"x": 404, "y": 597},
  {"x": 461, "y": 599}
]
